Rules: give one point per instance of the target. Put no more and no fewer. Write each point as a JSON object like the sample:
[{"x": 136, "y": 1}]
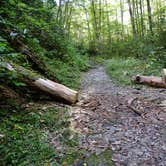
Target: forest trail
[{"x": 131, "y": 122}]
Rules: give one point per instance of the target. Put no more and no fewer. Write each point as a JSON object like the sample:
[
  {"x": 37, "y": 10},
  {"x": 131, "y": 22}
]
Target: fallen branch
[{"x": 129, "y": 105}]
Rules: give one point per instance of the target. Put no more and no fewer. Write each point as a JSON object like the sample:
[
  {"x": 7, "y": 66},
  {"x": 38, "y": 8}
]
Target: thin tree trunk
[
  {"x": 66, "y": 13},
  {"x": 135, "y": 15},
  {"x": 100, "y": 14},
  {"x": 150, "y": 17},
  {"x": 108, "y": 22},
  {"x": 88, "y": 24},
  {"x": 59, "y": 12},
  {"x": 87, "y": 20},
  {"x": 95, "y": 25},
  {"x": 142, "y": 20},
  {"x": 122, "y": 8},
  {"x": 138, "y": 18},
  {"x": 132, "y": 18}
]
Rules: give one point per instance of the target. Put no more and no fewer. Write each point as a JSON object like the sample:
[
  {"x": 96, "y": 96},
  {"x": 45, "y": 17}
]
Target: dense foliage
[
  {"x": 32, "y": 37},
  {"x": 29, "y": 27},
  {"x": 122, "y": 28}
]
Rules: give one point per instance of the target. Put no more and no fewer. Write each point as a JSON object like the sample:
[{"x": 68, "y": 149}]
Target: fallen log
[
  {"x": 57, "y": 90},
  {"x": 164, "y": 75},
  {"x": 35, "y": 80},
  {"x": 149, "y": 80}
]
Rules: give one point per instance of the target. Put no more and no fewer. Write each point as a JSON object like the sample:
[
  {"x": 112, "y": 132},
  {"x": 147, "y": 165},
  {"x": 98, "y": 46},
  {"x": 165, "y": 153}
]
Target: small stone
[{"x": 163, "y": 147}]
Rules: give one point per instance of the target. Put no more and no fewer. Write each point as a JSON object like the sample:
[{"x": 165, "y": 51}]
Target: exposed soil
[{"x": 131, "y": 122}]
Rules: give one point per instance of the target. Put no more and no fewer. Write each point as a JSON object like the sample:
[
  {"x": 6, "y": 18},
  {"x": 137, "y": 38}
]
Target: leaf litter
[{"x": 130, "y": 122}]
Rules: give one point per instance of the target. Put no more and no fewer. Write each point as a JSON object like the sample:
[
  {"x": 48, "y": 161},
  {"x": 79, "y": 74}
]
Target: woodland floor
[{"x": 128, "y": 123}]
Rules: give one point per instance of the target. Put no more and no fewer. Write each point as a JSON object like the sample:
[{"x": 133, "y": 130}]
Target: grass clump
[{"x": 122, "y": 69}]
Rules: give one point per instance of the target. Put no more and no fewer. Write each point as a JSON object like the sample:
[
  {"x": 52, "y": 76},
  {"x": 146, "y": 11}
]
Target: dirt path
[{"x": 130, "y": 122}]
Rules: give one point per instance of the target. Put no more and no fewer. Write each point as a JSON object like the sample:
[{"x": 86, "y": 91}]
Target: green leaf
[
  {"x": 19, "y": 84},
  {"x": 2, "y": 47},
  {"x": 12, "y": 2}
]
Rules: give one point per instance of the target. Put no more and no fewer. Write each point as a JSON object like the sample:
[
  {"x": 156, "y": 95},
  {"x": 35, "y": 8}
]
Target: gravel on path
[{"x": 131, "y": 122}]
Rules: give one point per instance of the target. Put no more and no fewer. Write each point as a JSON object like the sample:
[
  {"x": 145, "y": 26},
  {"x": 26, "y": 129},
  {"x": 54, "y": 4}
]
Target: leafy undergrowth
[
  {"x": 121, "y": 70},
  {"x": 68, "y": 73},
  {"x": 38, "y": 42},
  {"x": 24, "y": 137}
]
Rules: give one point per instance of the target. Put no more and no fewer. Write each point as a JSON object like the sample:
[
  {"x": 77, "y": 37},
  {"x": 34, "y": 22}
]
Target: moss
[{"x": 104, "y": 158}]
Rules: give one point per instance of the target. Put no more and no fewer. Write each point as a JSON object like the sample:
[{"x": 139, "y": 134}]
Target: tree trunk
[
  {"x": 150, "y": 80},
  {"x": 36, "y": 81},
  {"x": 164, "y": 75},
  {"x": 138, "y": 18},
  {"x": 95, "y": 22},
  {"x": 108, "y": 22},
  {"x": 142, "y": 19},
  {"x": 150, "y": 17},
  {"x": 132, "y": 18},
  {"x": 87, "y": 20},
  {"x": 122, "y": 19},
  {"x": 59, "y": 12}
]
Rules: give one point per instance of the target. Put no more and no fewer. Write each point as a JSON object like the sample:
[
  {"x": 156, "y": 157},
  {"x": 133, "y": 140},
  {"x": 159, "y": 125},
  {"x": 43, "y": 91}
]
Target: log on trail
[
  {"x": 36, "y": 81},
  {"x": 164, "y": 75},
  {"x": 57, "y": 90},
  {"x": 150, "y": 80}
]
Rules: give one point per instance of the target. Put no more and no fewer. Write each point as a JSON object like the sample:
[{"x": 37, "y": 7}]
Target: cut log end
[
  {"x": 136, "y": 79},
  {"x": 164, "y": 75}
]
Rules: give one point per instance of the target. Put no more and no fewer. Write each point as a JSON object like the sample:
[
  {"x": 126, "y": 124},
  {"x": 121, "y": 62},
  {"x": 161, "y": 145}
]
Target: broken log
[
  {"x": 149, "y": 80},
  {"x": 36, "y": 81},
  {"x": 164, "y": 75}
]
